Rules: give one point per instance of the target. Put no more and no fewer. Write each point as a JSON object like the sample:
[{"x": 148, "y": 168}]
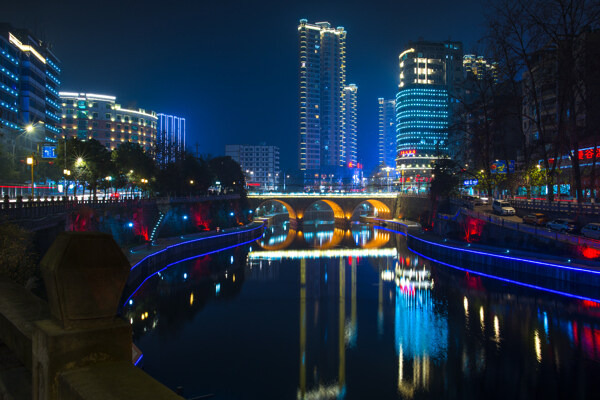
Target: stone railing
[
  {"x": 74, "y": 346},
  {"x": 17, "y": 210}
]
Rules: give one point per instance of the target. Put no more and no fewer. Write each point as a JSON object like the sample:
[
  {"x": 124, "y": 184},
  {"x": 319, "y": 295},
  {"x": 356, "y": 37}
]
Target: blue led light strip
[
  {"x": 525, "y": 260},
  {"x": 497, "y": 277},
  {"x": 195, "y": 240},
  {"x": 187, "y": 259},
  {"x": 507, "y": 280},
  {"x": 138, "y": 360}
]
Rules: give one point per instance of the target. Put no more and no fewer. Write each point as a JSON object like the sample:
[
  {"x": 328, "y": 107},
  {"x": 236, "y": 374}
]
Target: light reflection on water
[{"x": 311, "y": 322}]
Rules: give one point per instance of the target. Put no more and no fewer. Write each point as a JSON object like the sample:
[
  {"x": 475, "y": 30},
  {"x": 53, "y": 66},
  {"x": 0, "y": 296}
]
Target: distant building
[
  {"x": 170, "y": 138},
  {"x": 431, "y": 76},
  {"x": 322, "y": 67},
  {"x": 479, "y": 67},
  {"x": 96, "y": 116},
  {"x": 259, "y": 163},
  {"x": 350, "y": 125},
  {"x": 29, "y": 84},
  {"x": 387, "y": 132}
]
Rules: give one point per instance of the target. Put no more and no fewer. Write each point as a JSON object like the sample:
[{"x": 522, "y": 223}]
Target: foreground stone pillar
[{"x": 84, "y": 274}]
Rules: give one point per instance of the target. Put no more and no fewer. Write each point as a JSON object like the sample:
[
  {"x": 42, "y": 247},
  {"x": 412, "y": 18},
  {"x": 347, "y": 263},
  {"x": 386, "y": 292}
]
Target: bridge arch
[
  {"x": 338, "y": 212},
  {"x": 381, "y": 209},
  {"x": 290, "y": 210}
]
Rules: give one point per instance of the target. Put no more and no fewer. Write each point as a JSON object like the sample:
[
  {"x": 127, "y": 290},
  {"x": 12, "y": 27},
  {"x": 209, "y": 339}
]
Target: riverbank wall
[
  {"x": 537, "y": 271},
  {"x": 148, "y": 260}
]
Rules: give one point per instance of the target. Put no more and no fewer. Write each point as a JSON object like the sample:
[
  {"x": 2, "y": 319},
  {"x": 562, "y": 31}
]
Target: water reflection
[{"x": 309, "y": 319}]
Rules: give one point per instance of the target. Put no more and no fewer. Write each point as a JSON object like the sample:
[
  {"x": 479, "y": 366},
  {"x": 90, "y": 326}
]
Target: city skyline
[{"x": 201, "y": 78}]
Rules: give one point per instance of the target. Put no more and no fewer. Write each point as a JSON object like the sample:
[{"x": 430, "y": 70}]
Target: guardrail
[
  {"x": 533, "y": 230},
  {"x": 55, "y": 205},
  {"x": 556, "y": 206}
]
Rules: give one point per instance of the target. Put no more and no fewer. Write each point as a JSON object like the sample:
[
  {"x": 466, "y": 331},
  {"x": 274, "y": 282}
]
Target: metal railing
[
  {"x": 533, "y": 230},
  {"x": 556, "y": 206}
]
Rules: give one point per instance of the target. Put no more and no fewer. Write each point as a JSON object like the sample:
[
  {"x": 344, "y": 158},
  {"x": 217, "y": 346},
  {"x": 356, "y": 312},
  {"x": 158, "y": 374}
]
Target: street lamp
[
  {"x": 31, "y": 161},
  {"x": 27, "y": 129}
]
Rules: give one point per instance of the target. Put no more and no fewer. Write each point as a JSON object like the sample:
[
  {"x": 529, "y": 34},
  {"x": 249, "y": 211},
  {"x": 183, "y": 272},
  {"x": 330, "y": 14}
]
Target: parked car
[
  {"x": 484, "y": 200},
  {"x": 502, "y": 207},
  {"x": 563, "y": 225},
  {"x": 591, "y": 230},
  {"x": 535, "y": 219},
  {"x": 471, "y": 201},
  {"x": 564, "y": 197}
]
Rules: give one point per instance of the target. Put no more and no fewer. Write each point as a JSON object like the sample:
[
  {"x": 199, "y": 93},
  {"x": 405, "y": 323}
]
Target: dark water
[{"x": 331, "y": 313}]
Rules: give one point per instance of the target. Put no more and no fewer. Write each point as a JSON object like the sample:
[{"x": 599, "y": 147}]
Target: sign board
[
  {"x": 500, "y": 167},
  {"x": 471, "y": 182},
  {"x": 48, "y": 151}
]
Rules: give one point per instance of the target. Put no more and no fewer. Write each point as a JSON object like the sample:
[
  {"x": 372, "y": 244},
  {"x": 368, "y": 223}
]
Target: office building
[
  {"x": 322, "y": 68},
  {"x": 387, "y": 132},
  {"x": 259, "y": 163},
  {"x": 96, "y": 116},
  {"x": 29, "y": 85},
  {"x": 349, "y": 140},
  {"x": 431, "y": 76},
  {"x": 170, "y": 138},
  {"x": 478, "y": 67}
]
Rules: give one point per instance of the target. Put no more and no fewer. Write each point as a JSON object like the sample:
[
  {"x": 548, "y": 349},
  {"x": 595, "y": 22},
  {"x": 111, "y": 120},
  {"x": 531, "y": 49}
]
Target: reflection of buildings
[
  {"x": 322, "y": 312},
  {"x": 421, "y": 332}
]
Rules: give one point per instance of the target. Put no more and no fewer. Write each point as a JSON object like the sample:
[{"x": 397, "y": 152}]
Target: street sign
[
  {"x": 471, "y": 182},
  {"x": 48, "y": 151},
  {"x": 500, "y": 167}
]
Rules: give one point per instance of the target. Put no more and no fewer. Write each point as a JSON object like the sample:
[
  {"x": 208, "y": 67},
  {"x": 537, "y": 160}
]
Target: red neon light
[
  {"x": 253, "y": 184},
  {"x": 407, "y": 152},
  {"x": 25, "y": 187}
]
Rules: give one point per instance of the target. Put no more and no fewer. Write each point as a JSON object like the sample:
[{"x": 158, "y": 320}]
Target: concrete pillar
[{"x": 84, "y": 274}]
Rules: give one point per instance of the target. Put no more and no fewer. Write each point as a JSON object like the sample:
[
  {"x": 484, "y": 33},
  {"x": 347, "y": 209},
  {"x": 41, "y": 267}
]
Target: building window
[
  {"x": 118, "y": 117},
  {"x": 95, "y": 115},
  {"x": 107, "y": 116},
  {"x": 107, "y": 126}
]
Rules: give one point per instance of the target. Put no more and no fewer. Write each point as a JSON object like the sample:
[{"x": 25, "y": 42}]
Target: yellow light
[
  {"x": 191, "y": 298},
  {"x": 23, "y": 47},
  {"x": 29, "y": 128}
]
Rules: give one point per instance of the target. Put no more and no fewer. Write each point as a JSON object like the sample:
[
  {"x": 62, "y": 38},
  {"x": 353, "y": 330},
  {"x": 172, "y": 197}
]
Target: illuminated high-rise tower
[
  {"x": 431, "y": 74},
  {"x": 322, "y": 83},
  {"x": 387, "y": 132},
  {"x": 350, "y": 124}
]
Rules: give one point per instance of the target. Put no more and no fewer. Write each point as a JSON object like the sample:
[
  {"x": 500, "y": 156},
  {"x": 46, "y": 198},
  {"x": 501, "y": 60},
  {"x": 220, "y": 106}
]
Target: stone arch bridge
[{"x": 343, "y": 205}]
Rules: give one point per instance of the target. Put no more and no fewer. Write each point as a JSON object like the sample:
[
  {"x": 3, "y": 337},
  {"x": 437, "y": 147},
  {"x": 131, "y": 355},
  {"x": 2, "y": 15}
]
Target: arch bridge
[{"x": 343, "y": 205}]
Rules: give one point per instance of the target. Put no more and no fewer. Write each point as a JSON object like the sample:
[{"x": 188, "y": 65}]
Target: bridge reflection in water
[{"x": 321, "y": 313}]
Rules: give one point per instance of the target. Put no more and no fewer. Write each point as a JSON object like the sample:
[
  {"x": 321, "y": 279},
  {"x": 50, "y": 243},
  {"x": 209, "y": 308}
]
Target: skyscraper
[
  {"x": 322, "y": 83},
  {"x": 170, "y": 138},
  {"x": 431, "y": 74},
  {"x": 350, "y": 124},
  {"x": 387, "y": 132},
  {"x": 29, "y": 84}
]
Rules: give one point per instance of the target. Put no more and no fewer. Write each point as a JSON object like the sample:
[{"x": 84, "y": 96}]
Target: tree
[
  {"x": 229, "y": 173},
  {"x": 132, "y": 165}
]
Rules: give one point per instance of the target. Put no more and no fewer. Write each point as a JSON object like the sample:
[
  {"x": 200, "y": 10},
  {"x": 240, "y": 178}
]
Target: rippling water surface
[{"x": 328, "y": 313}]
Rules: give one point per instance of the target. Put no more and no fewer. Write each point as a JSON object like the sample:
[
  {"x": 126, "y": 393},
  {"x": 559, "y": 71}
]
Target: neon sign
[{"x": 405, "y": 153}]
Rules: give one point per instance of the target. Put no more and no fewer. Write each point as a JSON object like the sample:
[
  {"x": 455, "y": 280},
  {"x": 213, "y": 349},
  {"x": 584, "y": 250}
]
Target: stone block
[
  {"x": 84, "y": 273},
  {"x": 57, "y": 350}
]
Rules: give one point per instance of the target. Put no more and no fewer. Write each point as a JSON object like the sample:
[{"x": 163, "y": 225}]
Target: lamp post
[{"x": 31, "y": 161}]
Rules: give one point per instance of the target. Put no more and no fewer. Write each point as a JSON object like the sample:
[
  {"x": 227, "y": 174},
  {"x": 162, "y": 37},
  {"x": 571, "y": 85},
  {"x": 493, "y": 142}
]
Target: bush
[{"x": 17, "y": 260}]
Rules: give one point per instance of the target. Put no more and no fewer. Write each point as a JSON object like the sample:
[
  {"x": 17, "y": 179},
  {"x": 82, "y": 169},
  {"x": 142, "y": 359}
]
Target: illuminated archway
[
  {"x": 380, "y": 208},
  {"x": 338, "y": 213},
  {"x": 290, "y": 210}
]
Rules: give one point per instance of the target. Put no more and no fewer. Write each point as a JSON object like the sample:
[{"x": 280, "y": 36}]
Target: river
[{"x": 328, "y": 313}]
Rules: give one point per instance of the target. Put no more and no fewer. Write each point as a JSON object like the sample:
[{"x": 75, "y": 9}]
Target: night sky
[{"x": 230, "y": 67}]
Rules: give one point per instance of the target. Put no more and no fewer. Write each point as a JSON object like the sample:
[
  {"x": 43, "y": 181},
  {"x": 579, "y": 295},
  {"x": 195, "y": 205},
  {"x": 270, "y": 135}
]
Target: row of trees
[
  {"x": 538, "y": 103},
  {"x": 128, "y": 167}
]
